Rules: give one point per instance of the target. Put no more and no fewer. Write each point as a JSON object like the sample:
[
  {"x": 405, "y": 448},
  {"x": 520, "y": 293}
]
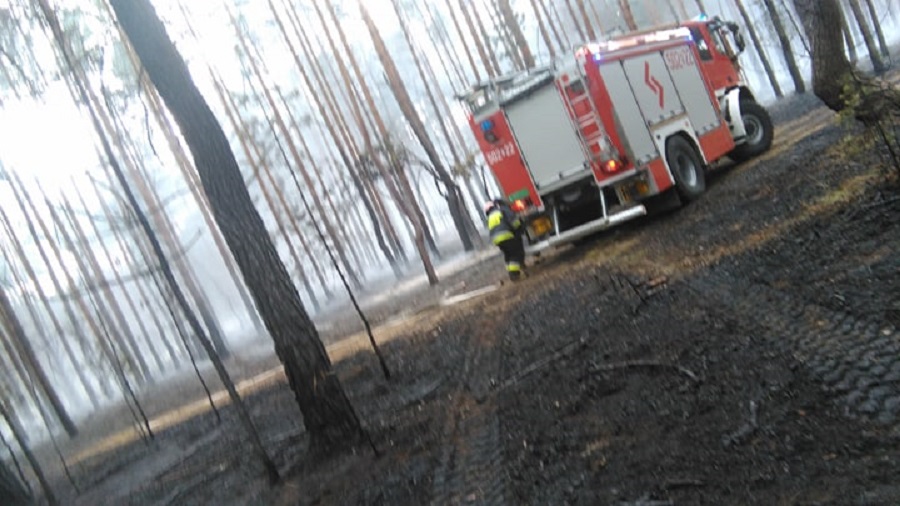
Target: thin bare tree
[
  {"x": 542, "y": 27},
  {"x": 786, "y": 48},
  {"x": 10, "y": 321},
  {"x": 300, "y": 165},
  {"x": 874, "y": 53},
  {"x": 627, "y": 14},
  {"x": 7, "y": 414},
  {"x": 879, "y": 32},
  {"x": 21, "y": 196},
  {"x": 760, "y": 50},
  {"x": 515, "y": 28}
]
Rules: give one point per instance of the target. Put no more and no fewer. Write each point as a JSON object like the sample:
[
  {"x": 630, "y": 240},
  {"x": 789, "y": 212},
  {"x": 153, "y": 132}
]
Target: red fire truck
[{"x": 583, "y": 144}]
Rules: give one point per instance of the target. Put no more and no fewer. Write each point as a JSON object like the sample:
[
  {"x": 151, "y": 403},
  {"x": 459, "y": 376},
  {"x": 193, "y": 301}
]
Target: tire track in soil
[
  {"x": 856, "y": 359},
  {"x": 471, "y": 469}
]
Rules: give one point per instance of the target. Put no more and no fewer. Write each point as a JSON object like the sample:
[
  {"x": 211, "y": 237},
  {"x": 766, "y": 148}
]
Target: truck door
[{"x": 547, "y": 140}]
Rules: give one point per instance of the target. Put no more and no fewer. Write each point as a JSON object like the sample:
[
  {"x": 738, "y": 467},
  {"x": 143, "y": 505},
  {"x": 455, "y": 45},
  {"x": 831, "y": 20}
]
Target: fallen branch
[
  {"x": 745, "y": 431},
  {"x": 646, "y": 364},
  {"x": 540, "y": 364}
]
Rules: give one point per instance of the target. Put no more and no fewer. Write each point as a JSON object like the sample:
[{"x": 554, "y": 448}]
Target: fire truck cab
[{"x": 580, "y": 145}]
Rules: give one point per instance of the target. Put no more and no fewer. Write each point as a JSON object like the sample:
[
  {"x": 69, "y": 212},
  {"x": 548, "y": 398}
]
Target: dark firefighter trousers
[{"x": 514, "y": 255}]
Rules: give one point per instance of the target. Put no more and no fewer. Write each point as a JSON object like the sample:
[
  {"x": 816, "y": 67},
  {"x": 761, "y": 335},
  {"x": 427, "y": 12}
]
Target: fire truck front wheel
[
  {"x": 760, "y": 132},
  {"x": 687, "y": 168}
]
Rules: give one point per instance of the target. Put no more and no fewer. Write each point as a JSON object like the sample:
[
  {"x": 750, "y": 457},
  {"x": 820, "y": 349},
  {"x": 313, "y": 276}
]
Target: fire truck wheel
[
  {"x": 687, "y": 168},
  {"x": 759, "y": 132}
]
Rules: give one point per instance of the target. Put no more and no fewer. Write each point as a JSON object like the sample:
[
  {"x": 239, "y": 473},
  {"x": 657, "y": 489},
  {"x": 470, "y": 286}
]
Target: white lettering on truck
[{"x": 497, "y": 155}]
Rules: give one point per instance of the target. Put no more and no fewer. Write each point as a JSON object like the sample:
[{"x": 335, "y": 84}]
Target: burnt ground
[{"x": 742, "y": 350}]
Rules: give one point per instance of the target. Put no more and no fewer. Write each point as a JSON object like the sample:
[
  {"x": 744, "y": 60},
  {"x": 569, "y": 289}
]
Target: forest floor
[{"x": 744, "y": 349}]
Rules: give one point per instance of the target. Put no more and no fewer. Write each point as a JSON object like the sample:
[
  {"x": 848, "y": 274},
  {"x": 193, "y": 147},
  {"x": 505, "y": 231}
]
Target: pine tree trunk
[
  {"x": 458, "y": 27},
  {"x": 190, "y": 176},
  {"x": 135, "y": 266},
  {"x": 315, "y": 197},
  {"x": 542, "y": 27},
  {"x": 267, "y": 186},
  {"x": 110, "y": 301},
  {"x": 412, "y": 116},
  {"x": 882, "y": 43},
  {"x": 512, "y": 24},
  {"x": 14, "y": 330},
  {"x": 551, "y": 14},
  {"x": 7, "y": 415},
  {"x": 476, "y": 37},
  {"x": 485, "y": 37},
  {"x": 12, "y": 490},
  {"x": 126, "y": 295},
  {"x": 573, "y": 15},
  {"x": 588, "y": 28},
  {"x": 831, "y": 69},
  {"x": 338, "y": 131},
  {"x": 754, "y": 38},
  {"x": 429, "y": 83},
  {"x": 328, "y": 415},
  {"x": 445, "y": 51},
  {"x": 625, "y": 8},
  {"x": 790, "y": 60},
  {"x": 95, "y": 319},
  {"x": 499, "y": 26},
  {"x": 878, "y": 64},
  {"x": 21, "y": 196},
  {"x": 848, "y": 37},
  {"x": 407, "y": 204}
]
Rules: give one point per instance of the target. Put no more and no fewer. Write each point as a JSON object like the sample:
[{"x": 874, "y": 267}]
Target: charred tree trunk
[
  {"x": 19, "y": 434},
  {"x": 785, "y": 41},
  {"x": 754, "y": 38},
  {"x": 328, "y": 415},
  {"x": 12, "y": 491}
]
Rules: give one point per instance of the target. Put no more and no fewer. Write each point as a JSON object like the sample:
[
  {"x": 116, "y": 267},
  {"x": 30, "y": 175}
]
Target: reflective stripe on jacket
[{"x": 502, "y": 225}]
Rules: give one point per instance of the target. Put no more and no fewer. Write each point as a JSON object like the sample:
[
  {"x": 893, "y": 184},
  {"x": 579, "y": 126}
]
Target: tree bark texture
[
  {"x": 328, "y": 415},
  {"x": 830, "y": 66}
]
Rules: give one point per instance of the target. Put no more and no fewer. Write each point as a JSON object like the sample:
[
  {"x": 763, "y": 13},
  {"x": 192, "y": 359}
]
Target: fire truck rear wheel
[
  {"x": 687, "y": 168},
  {"x": 760, "y": 132}
]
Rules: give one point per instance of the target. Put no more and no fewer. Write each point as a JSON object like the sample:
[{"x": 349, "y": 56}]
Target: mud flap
[{"x": 732, "y": 109}]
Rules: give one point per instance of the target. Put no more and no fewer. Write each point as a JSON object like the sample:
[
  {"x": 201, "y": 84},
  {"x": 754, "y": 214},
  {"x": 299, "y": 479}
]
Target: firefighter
[{"x": 506, "y": 230}]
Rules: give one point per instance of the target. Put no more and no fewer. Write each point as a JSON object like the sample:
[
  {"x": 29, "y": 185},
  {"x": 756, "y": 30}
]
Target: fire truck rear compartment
[{"x": 581, "y": 203}]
